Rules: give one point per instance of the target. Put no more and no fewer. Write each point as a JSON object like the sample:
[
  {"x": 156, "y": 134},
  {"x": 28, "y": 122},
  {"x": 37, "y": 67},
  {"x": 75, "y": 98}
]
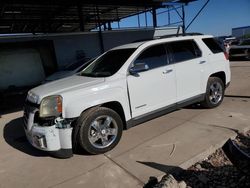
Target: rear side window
[
  {"x": 184, "y": 50},
  {"x": 154, "y": 57},
  {"x": 213, "y": 45}
]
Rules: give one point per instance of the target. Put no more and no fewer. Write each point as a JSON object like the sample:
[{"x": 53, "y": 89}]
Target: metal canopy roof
[{"x": 53, "y": 16}]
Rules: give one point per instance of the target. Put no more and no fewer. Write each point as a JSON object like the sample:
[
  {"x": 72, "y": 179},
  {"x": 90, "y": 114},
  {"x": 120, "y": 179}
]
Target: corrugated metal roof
[{"x": 53, "y": 16}]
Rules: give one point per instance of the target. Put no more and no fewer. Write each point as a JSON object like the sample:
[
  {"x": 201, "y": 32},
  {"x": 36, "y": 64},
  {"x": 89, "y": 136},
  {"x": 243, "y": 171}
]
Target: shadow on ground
[
  {"x": 10, "y": 103},
  {"x": 14, "y": 135}
]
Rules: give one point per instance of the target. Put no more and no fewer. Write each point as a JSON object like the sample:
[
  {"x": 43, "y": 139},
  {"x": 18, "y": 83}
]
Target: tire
[
  {"x": 99, "y": 130},
  {"x": 214, "y": 93}
]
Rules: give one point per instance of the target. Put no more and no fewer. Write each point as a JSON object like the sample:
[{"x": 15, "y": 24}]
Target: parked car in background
[
  {"x": 123, "y": 87},
  {"x": 228, "y": 42},
  {"x": 68, "y": 70},
  {"x": 240, "y": 51}
]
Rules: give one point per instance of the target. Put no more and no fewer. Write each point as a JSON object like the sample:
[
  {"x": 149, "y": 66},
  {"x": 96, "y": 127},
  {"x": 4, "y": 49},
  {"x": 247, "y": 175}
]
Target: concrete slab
[
  {"x": 108, "y": 175},
  {"x": 240, "y": 79},
  {"x": 20, "y": 170},
  {"x": 144, "y": 132},
  {"x": 23, "y": 166},
  {"x": 186, "y": 113},
  {"x": 233, "y": 113},
  {"x": 173, "y": 148}
]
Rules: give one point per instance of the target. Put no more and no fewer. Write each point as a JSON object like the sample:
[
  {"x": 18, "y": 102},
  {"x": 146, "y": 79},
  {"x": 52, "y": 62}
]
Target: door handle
[
  {"x": 167, "y": 71},
  {"x": 202, "y": 62}
]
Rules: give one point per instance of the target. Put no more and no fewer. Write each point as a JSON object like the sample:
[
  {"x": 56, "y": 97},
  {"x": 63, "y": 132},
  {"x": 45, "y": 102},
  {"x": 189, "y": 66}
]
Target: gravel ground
[
  {"x": 217, "y": 170},
  {"x": 243, "y": 141}
]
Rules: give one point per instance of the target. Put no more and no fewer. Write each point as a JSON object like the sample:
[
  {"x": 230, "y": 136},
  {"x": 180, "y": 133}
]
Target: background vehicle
[
  {"x": 240, "y": 51},
  {"x": 125, "y": 86},
  {"x": 69, "y": 70}
]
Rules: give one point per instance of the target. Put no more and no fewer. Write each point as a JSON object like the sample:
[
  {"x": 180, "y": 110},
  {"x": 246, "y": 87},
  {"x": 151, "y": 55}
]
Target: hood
[
  {"x": 59, "y": 75},
  {"x": 63, "y": 85}
]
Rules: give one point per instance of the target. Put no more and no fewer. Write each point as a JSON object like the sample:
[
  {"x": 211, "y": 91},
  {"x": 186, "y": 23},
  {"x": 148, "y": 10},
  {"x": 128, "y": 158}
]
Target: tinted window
[
  {"x": 154, "y": 57},
  {"x": 212, "y": 45},
  {"x": 74, "y": 66},
  {"x": 184, "y": 50},
  {"x": 108, "y": 64},
  {"x": 84, "y": 65}
]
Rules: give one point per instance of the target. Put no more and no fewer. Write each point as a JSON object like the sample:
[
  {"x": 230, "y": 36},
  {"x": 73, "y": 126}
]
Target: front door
[{"x": 155, "y": 88}]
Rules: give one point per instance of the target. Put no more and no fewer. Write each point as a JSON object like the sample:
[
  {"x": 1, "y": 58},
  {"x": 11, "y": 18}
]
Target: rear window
[
  {"x": 184, "y": 50},
  {"x": 213, "y": 45}
]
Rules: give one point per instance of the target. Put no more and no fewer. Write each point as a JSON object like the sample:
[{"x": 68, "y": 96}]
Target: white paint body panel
[
  {"x": 188, "y": 78},
  {"x": 152, "y": 90},
  {"x": 138, "y": 95}
]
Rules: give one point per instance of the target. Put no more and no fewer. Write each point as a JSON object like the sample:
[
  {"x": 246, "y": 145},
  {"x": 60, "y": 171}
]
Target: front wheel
[
  {"x": 100, "y": 130},
  {"x": 214, "y": 93}
]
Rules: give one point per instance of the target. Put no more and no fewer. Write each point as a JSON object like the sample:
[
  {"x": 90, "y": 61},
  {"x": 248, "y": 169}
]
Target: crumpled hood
[{"x": 68, "y": 84}]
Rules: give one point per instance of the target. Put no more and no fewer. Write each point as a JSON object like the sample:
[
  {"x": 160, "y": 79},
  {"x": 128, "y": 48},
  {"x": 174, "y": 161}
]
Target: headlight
[{"x": 51, "y": 106}]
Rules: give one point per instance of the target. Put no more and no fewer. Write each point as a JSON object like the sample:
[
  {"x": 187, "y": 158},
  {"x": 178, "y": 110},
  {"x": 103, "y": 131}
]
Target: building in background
[{"x": 241, "y": 32}]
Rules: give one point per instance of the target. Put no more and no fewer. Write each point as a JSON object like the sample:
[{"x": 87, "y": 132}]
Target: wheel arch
[
  {"x": 117, "y": 107},
  {"x": 221, "y": 75},
  {"x": 114, "y": 105}
]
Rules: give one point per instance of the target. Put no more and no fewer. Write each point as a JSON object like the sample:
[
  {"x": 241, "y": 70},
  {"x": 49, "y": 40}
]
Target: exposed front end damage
[{"x": 52, "y": 135}]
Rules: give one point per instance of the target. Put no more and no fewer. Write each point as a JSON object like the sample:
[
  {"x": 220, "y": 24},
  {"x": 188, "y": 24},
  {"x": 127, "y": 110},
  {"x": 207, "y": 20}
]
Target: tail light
[{"x": 226, "y": 55}]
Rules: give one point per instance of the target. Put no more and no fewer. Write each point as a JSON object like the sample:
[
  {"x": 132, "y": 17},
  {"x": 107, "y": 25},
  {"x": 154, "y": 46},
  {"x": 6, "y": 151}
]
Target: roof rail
[
  {"x": 167, "y": 36},
  {"x": 178, "y": 35}
]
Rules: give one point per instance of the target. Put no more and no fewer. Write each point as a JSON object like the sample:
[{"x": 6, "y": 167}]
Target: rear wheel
[
  {"x": 214, "y": 93},
  {"x": 100, "y": 130}
]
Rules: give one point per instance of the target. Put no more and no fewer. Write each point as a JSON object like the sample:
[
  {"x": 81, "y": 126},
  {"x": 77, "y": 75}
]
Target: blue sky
[{"x": 218, "y": 17}]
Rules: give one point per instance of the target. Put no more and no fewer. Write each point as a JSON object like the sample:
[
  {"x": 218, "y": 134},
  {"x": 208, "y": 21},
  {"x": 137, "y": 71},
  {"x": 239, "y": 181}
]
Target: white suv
[{"x": 125, "y": 86}]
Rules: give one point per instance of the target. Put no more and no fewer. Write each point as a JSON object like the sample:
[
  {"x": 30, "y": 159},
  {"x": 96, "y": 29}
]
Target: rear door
[{"x": 187, "y": 58}]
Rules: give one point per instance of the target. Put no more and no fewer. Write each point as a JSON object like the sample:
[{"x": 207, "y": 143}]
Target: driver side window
[{"x": 154, "y": 57}]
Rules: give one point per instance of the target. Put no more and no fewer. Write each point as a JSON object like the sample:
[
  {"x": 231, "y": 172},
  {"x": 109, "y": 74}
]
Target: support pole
[
  {"x": 80, "y": 15},
  {"x": 109, "y": 26},
  {"x": 169, "y": 20},
  {"x": 183, "y": 20},
  {"x": 104, "y": 26},
  {"x": 100, "y": 31},
  {"x": 138, "y": 20},
  {"x": 154, "y": 17},
  {"x": 118, "y": 19},
  {"x": 197, "y": 14}
]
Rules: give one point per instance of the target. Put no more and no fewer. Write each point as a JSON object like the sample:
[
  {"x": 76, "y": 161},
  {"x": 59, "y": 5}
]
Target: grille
[
  {"x": 28, "y": 108},
  {"x": 25, "y": 116}
]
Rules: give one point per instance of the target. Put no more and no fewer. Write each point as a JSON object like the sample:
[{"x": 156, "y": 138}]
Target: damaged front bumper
[{"x": 55, "y": 138}]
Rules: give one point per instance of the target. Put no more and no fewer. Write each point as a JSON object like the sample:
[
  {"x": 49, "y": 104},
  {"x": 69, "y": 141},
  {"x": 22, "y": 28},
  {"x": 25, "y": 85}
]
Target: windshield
[
  {"x": 74, "y": 65},
  {"x": 108, "y": 64}
]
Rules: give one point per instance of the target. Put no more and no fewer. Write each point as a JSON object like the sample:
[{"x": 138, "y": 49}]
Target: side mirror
[{"x": 139, "y": 67}]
